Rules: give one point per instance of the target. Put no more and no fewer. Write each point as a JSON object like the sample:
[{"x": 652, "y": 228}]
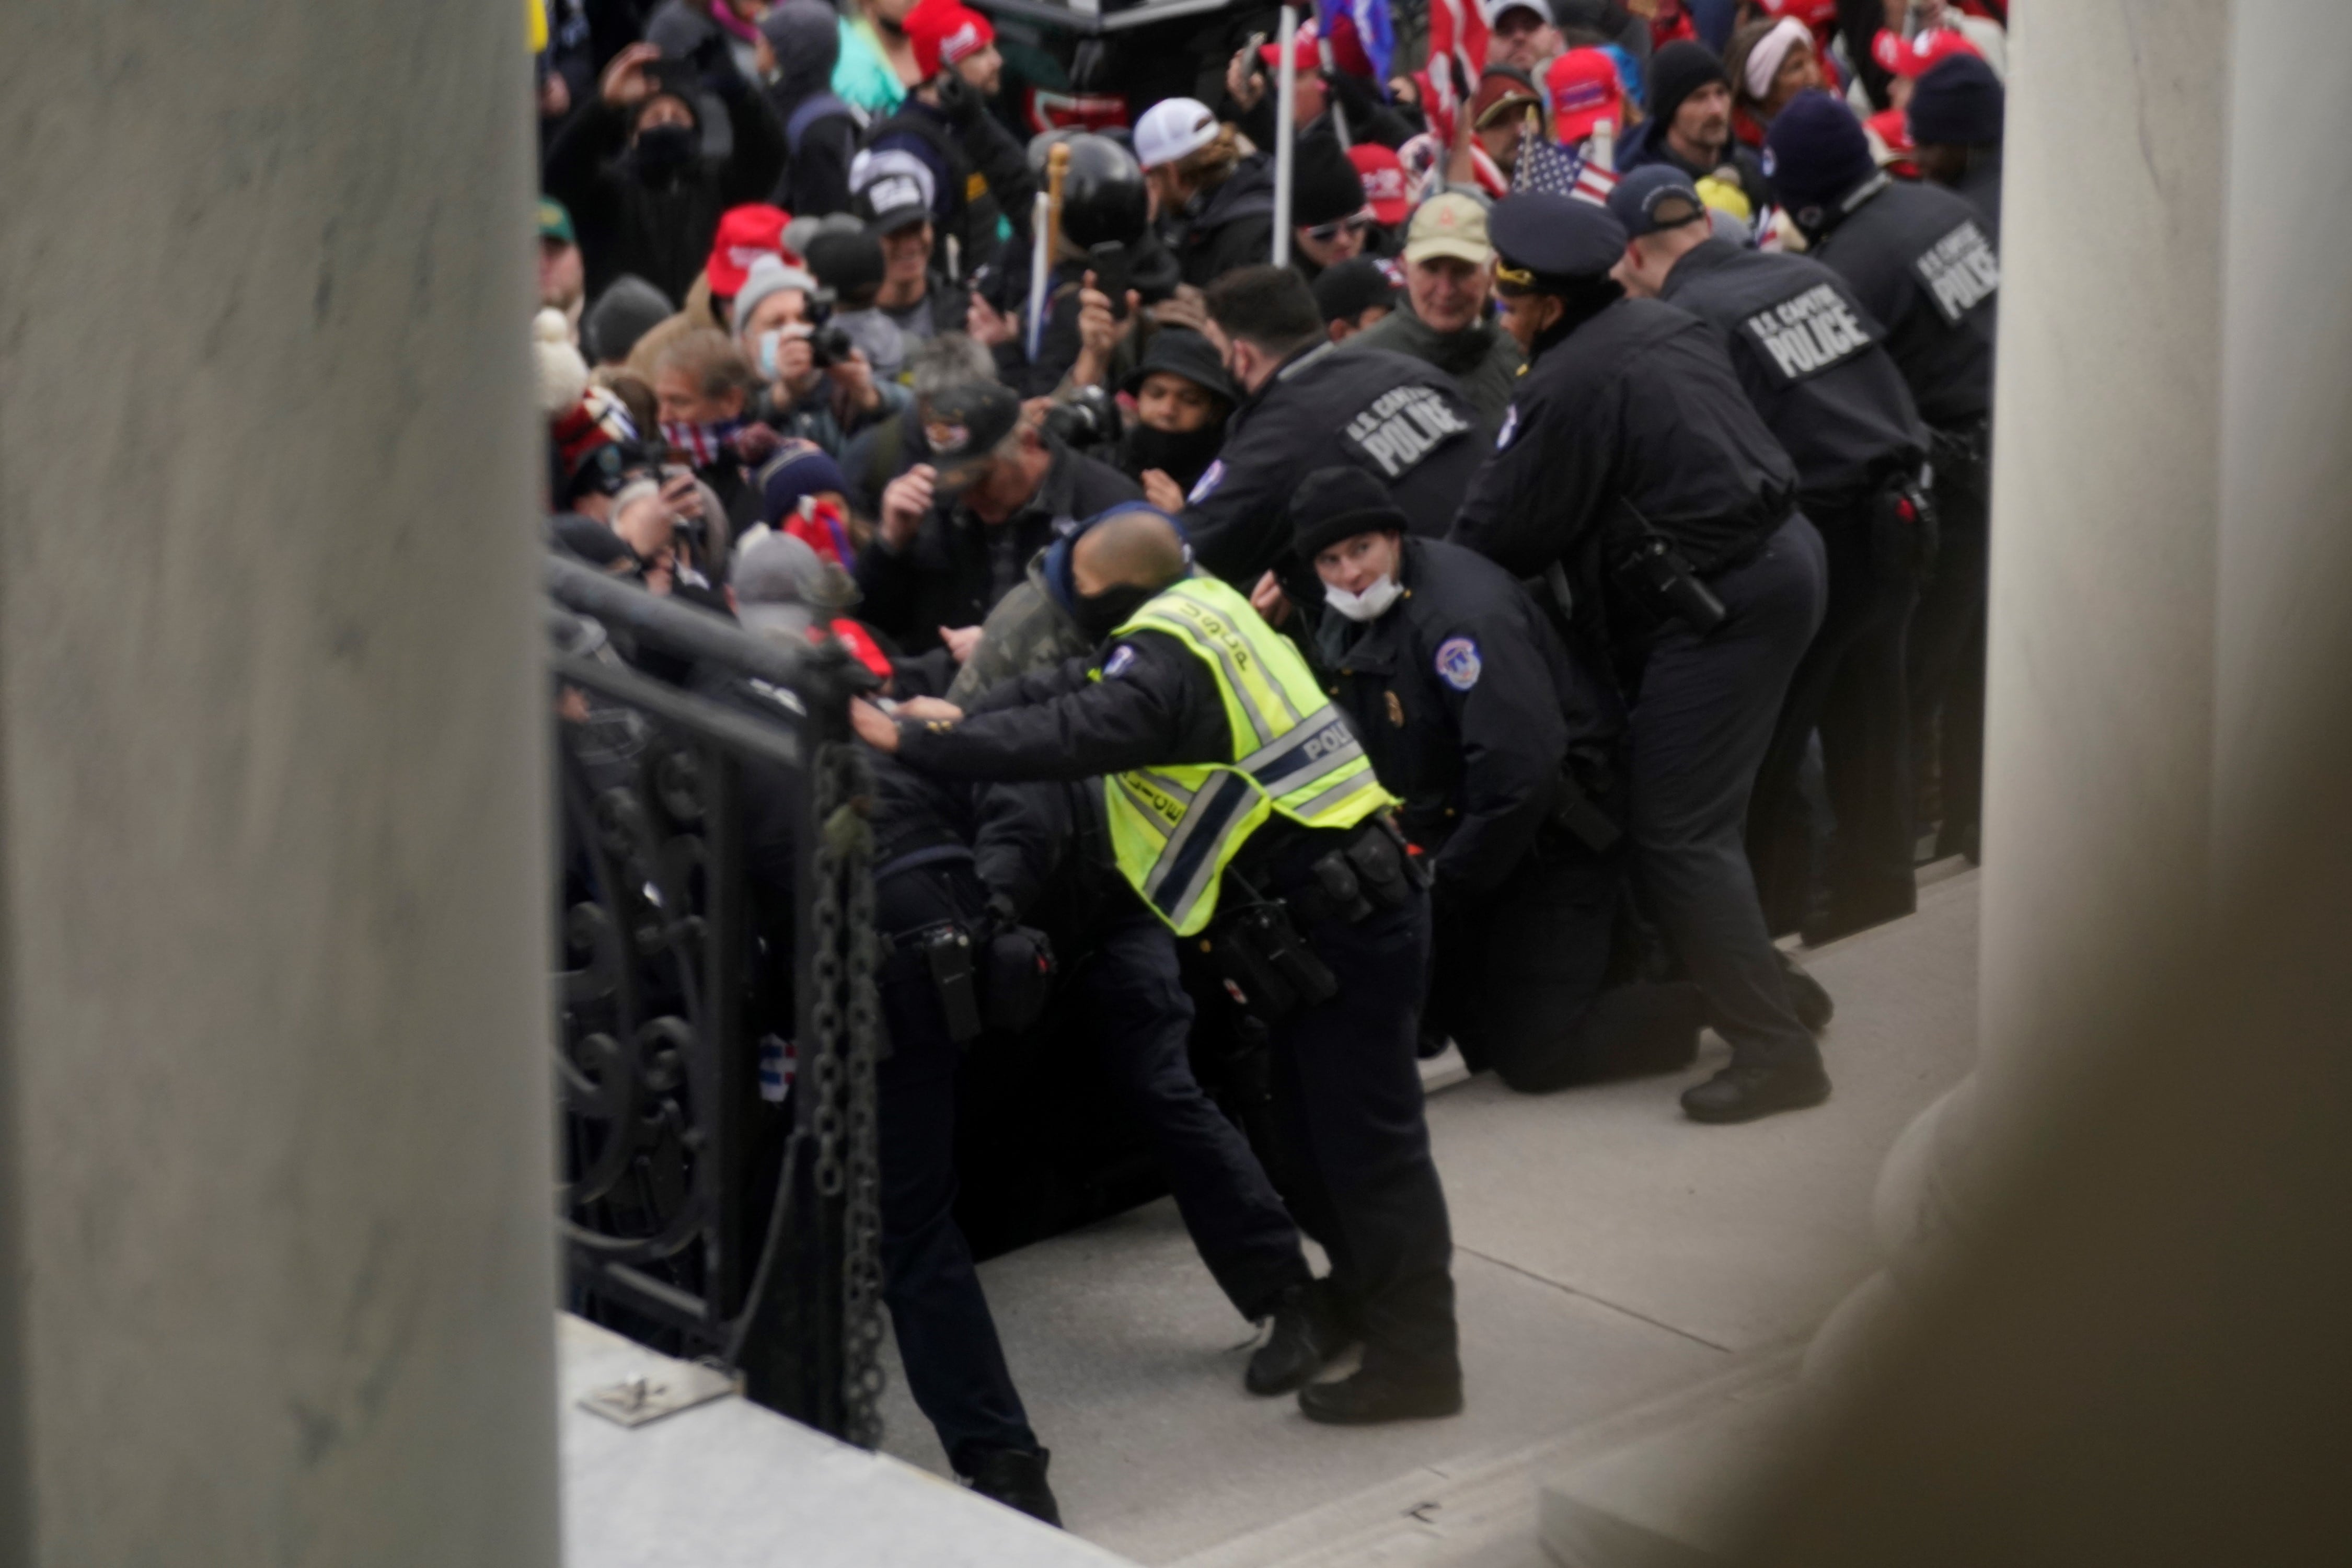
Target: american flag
[
  {"x": 1545, "y": 165},
  {"x": 1458, "y": 28}
]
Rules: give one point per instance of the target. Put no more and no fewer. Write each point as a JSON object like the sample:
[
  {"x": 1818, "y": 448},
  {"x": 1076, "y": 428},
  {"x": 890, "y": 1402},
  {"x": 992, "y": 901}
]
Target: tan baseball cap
[{"x": 1449, "y": 223}]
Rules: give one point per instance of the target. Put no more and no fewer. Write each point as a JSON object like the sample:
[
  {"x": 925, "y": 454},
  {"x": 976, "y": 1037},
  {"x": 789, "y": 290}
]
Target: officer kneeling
[
  {"x": 1244, "y": 812},
  {"x": 1505, "y": 753}
]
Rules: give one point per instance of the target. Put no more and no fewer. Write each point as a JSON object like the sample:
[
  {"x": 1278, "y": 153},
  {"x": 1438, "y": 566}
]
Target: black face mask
[
  {"x": 663, "y": 150},
  {"x": 1099, "y": 614},
  {"x": 1182, "y": 455}
]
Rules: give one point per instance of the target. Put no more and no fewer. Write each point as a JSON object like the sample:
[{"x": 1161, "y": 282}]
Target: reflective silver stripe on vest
[
  {"x": 1280, "y": 770},
  {"x": 1234, "y": 683},
  {"x": 1334, "y": 795},
  {"x": 1211, "y": 864}
]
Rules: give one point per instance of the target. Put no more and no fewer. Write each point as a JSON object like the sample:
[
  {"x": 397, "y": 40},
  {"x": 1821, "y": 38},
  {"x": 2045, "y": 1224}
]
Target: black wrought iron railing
[{"x": 717, "y": 1025}]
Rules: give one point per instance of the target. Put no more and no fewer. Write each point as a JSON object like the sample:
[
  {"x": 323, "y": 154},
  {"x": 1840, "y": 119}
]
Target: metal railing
[{"x": 718, "y": 1028}]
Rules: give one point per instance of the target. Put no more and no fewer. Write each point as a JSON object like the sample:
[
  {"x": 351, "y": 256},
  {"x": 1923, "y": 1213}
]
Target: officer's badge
[
  {"x": 1207, "y": 483},
  {"x": 1396, "y": 711},
  {"x": 1510, "y": 427},
  {"x": 1457, "y": 663}
]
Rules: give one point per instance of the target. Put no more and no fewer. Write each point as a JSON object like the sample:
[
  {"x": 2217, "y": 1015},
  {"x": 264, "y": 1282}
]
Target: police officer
[
  {"x": 1920, "y": 261},
  {"x": 1245, "y": 813},
  {"x": 1813, "y": 363},
  {"x": 951, "y": 858},
  {"x": 1633, "y": 461},
  {"x": 1506, "y": 754},
  {"x": 1306, "y": 406}
]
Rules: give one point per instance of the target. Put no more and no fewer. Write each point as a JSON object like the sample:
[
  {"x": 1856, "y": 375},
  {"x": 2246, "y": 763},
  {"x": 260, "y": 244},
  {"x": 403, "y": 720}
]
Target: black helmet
[{"x": 1103, "y": 198}]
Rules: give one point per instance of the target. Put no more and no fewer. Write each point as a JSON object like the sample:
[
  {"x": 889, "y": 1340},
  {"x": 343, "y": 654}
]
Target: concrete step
[
  {"x": 727, "y": 1484},
  {"x": 1677, "y": 1499}
]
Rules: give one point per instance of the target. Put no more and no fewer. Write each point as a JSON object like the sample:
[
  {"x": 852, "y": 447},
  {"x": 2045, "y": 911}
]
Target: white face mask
[{"x": 1369, "y": 605}]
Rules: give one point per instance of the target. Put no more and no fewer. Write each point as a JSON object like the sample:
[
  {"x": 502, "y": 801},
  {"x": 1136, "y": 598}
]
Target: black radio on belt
[
  {"x": 1266, "y": 964},
  {"x": 947, "y": 949},
  {"x": 1656, "y": 575}
]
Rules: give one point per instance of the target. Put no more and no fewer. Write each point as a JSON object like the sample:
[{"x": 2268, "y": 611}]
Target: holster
[
  {"x": 1575, "y": 812},
  {"x": 1266, "y": 964},
  {"x": 1902, "y": 533},
  {"x": 947, "y": 951},
  {"x": 1651, "y": 573},
  {"x": 1018, "y": 981}
]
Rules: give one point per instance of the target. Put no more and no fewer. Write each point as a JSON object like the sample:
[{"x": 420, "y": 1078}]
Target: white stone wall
[{"x": 271, "y": 786}]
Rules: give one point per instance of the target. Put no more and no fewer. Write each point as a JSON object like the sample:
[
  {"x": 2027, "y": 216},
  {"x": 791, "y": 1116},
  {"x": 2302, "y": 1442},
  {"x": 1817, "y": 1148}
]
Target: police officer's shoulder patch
[
  {"x": 1121, "y": 659},
  {"x": 1457, "y": 663},
  {"x": 1207, "y": 485},
  {"x": 1510, "y": 427}
]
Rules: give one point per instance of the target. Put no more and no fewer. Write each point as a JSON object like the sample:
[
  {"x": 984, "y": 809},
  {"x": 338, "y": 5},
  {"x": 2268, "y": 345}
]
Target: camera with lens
[
  {"x": 829, "y": 346},
  {"x": 1089, "y": 419}
]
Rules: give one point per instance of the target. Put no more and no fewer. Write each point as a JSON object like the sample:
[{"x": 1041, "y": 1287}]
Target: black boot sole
[{"x": 1434, "y": 1407}]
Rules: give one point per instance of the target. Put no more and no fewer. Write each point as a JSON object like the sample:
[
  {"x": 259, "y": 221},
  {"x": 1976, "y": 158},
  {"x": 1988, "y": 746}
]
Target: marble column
[
  {"x": 277, "y": 1139},
  {"x": 2169, "y": 556}
]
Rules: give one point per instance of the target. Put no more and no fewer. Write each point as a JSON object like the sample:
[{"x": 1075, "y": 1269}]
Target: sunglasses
[{"x": 1324, "y": 233}]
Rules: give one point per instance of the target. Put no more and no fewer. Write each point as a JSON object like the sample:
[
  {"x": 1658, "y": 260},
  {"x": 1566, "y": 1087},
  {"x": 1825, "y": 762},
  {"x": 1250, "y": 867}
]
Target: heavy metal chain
[{"x": 848, "y": 1163}]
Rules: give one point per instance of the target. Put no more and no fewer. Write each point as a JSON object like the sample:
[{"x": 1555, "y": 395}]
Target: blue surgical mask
[{"x": 768, "y": 341}]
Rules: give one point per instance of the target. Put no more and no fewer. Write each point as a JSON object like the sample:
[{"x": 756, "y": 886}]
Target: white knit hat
[{"x": 562, "y": 373}]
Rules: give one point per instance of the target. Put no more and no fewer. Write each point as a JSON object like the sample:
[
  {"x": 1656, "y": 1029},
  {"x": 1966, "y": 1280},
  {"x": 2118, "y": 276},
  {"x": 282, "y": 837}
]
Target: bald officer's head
[{"x": 1135, "y": 549}]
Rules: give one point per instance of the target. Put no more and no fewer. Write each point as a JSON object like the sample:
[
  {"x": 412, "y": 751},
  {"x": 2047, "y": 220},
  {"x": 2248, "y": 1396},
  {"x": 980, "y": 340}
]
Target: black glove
[{"x": 959, "y": 99}]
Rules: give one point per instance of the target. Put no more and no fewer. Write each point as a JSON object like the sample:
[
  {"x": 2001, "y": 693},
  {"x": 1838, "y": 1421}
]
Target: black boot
[
  {"x": 1013, "y": 1477},
  {"x": 1742, "y": 1092},
  {"x": 1309, "y": 1331},
  {"x": 1383, "y": 1391},
  {"x": 1807, "y": 999}
]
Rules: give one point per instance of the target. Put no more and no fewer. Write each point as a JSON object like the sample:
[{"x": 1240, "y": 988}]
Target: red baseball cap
[
  {"x": 1583, "y": 89},
  {"x": 1912, "y": 56},
  {"x": 1386, "y": 189},
  {"x": 1893, "y": 128},
  {"x": 1818, "y": 15},
  {"x": 745, "y": 234},
  {"x": 1303, "y": 49},
  {"x": 942, "y": 32}
]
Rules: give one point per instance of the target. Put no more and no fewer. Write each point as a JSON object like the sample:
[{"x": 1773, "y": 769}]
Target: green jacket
[{"x": 1481, "y": 359}]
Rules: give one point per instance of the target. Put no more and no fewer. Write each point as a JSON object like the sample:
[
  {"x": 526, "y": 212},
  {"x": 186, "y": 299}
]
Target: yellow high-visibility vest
[{"x": 1176, "y": 828}]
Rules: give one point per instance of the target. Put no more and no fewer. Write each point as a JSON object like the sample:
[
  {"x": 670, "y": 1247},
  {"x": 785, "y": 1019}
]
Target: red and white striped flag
[{"x": 1456, "y": 29}]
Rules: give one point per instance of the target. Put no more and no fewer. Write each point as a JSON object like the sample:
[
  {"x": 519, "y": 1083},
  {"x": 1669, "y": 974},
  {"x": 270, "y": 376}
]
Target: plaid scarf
[{"x": 704, "y": 442}]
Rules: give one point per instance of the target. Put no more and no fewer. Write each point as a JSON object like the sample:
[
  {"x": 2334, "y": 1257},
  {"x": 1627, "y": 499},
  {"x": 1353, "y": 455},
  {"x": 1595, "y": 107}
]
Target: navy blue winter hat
[
  {"x": 1957, "y": 100},
  {"x": 1816, "y": 152},
  {"x": 801, "y": 469}
]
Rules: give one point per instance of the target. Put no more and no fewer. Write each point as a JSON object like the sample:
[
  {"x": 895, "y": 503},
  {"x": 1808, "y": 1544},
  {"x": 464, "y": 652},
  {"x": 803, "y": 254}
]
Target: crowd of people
[{"x": 1485, "y": 602}]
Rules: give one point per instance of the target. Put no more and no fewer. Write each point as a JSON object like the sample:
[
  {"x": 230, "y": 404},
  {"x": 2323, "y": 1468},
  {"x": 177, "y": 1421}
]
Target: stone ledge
[{"x": 731, "y": 1485}]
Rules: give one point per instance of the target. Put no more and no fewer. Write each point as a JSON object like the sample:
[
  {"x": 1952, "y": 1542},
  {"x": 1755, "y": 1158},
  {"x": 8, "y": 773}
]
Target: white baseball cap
[{"x": 1171, "y": 128}]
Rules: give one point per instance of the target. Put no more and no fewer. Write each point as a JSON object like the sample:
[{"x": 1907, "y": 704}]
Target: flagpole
[
  {"x": 1286, "y": 103},
  {"x": 1338, "y": 111}
]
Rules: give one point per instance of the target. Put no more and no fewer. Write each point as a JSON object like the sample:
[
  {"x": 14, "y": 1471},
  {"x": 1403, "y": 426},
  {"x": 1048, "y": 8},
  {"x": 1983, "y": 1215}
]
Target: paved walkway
[{"x": 1611, "y": 1258}]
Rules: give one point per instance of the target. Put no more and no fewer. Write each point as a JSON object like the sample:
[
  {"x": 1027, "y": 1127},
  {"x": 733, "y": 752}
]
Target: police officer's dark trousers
[
  {"x": 1850, "y": 686},
  {"x": 1947, "y": 649},
  {"x": 955, "y": 1366},
  {"x": 1516, "y": 978},
  {"x": 1348, "y": 1095},
  {"x": 1699, "y": 728},
  {"x": 1138, "y": 1008}
]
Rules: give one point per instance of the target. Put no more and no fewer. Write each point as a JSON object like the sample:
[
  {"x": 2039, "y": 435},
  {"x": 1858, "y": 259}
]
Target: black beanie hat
[
  {"x": 1815, "y": 154},
  {"x": 1336, "y": 503},
  {"x": 1959, "y": 101},
  {"x": 1677, "y": 71},
  {"x": 846, "y": 263},
  {"x": 1325, "y": 186}
]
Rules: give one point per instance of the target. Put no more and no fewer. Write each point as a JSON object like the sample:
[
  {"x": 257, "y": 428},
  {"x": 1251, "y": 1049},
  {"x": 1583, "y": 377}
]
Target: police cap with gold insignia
[{"x": 1550, "y": 244}]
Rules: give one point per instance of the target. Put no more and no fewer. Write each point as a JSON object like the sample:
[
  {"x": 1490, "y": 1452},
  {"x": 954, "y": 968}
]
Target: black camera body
[
  {"x": 1089, "y": 419},
  {"x": 829, "y": 346}
]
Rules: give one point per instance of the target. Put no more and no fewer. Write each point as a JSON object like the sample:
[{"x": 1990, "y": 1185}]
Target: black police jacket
[
  {"x": 1016, "y": 833},
  {"x": 1813, "y": 361},
  {"x": 1233, "y": 226},
  {"x": 1153, "y": 705},
  {"x": 1468, "y": 706},
  {"x": 1638, "y": 403},
  {"x": 1920, "y": 260},
  {"x": 1398, "y": 418},
  {"x": 956, "y": 567},
  {"x": 1981, "y": 187}
]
